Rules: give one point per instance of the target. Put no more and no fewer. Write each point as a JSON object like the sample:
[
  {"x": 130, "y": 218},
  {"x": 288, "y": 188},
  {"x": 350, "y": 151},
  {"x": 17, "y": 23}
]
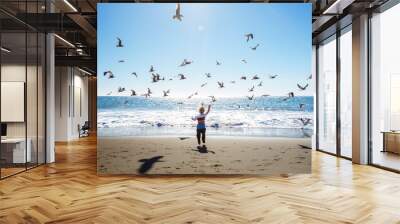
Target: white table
[{"x": 18, "y": 149}]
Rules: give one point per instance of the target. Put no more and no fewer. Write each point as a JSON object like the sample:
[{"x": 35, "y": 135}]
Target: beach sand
[{"x": 224, "y": 155}]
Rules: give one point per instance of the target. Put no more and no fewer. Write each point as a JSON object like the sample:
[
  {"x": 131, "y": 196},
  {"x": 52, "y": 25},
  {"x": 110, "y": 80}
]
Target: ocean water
[{"x": 264, "y": 116}]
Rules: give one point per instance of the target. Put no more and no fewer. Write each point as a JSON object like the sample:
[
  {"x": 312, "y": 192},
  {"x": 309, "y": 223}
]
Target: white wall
[{"x": 71, "y": 103}]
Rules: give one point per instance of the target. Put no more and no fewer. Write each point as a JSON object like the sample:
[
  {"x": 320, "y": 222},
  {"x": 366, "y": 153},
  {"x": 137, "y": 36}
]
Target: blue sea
[{"x": 264, "y": 116}]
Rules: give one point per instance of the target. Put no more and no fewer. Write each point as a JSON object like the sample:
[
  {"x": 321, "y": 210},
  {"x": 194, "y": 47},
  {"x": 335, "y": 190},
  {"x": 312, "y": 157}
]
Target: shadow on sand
[{"x": 148, "y": 164}]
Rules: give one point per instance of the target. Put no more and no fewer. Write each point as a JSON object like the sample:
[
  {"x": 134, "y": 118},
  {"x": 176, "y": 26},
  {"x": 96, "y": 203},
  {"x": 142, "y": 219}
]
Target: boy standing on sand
[{"x": 201, "y": 125}]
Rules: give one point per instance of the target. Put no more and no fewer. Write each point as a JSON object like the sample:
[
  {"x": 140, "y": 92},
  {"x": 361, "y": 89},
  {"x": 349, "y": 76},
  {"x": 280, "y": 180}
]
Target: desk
[
  {"x": 391, "y": 141},
  {"x": 15, "y": 148}
]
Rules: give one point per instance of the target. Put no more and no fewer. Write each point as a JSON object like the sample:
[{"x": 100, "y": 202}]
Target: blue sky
[{"x": 208, "y": 32}]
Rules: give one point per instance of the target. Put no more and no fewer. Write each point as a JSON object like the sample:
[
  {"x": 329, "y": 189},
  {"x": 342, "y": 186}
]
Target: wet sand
[{"x": 223, "y": 155}]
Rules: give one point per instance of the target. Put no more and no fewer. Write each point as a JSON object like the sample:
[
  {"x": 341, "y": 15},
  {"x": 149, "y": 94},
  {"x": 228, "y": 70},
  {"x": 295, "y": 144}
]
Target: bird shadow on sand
[
  {"x": 203, "y": 149},
  {"x": 147, "y": 164},
  {"x": 304, "y": 147}
]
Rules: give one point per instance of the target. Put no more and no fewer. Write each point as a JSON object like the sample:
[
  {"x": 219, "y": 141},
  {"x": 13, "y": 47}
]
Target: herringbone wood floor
[{"x": 69, "y": 191}]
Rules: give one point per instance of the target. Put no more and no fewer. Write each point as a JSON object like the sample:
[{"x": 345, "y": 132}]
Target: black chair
[{"x": 84, "y": 130}]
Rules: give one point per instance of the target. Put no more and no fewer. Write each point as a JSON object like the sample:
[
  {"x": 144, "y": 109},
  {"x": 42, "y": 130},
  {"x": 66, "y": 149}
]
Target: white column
[
  {"x": 50, "y": 99},
  {"x": 360, "y": 90}
]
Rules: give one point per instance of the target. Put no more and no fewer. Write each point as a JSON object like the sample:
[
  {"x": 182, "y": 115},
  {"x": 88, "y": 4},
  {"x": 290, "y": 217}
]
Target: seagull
[
  {"x": 255, "y": 47},
  {"x": 233, "y": 82},
  {"x": 218, "y": 63},
  {"x": 260, "y": 84},
  {"x": 244, "y": 61},
  {"x": 273, "y": 76},
  {"x": 302, "y": 87},
  {"x": 110, "y": 74},
  {"x": 195, "y": 93},
  {"x": 249, "y": 36},
  {"x": 255, "y": 77},
  {"x": 181, "y": 76},
  {"x": 154, "y": 78},
  {"x": 305, "y": 121},
  {"x": 251, "y": 89},
  {"x": 149, "y": 91},
  {"x": 265, "y": 95},
  {"x": 202, "y": 85},
  {"x": 208, "y": 75},
  {"x": 151, "y": 69},
  {"x": 109, "y": 93},
  {"x": 301, "y": 106},
  {"x": 185, "y": 62},
  {"x": 212, "y": 98},
  {"x": 190, "y": 96},
  {"x": 221, "y": 84},
  {"x": 243, "y": 77},
  {"x": 119, "y": 44},
  {"x": 178, "y": 14},
  {"x": 310, "y": 77},
  {"x": 290, "y": 95},
  {"x": 133, "y": 93},
  {"x": 121, "y": 61},
  {"x": 250, "y": 97},
  {"x": 134, "y": 73},
  {"x": 121, "y": 89},
  {"x": 166, "y": 93}
]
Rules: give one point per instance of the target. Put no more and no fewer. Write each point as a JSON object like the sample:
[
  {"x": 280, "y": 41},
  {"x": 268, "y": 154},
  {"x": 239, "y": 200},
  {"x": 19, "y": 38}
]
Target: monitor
[{"x": 3, "y": 129}]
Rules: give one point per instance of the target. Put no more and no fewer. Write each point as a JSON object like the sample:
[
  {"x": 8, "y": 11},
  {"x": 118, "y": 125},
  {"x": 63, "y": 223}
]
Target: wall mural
[{"x": 204, "y": 89}]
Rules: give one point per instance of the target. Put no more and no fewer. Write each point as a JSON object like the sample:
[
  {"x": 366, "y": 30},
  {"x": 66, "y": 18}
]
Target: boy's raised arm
[{"x": 208, "y": 110}]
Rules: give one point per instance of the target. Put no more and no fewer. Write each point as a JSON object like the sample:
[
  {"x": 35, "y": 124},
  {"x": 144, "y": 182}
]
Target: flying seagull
[
  {"x": 109, "y": 93},
  {"x": 208, "y": 75},
  {"x": 133, "y": 93},
  {"x": 119, "y": 42},
  {"x": 221, "y": 84},
  {"x": 185, "y": 62},
  {"x": 260, "y": 84},
  {"x": 151, "y": 69},
  {"x": 134, "y": 73},
  {"x": 178, "y": 14},
  {"x": 233, "y": 82},
  {"x": 250, "y": 97},
  {"x": 202, "y": 85},
  {"x": 249, "y": 36},
  {"x": 255, "y": 77},
  {"x": 273, "y": 76},
  {"x": 290, "y": 95},
  {"x": 121, "y": 61},
  {"x": 305, "y": 121},
  {"x": 310, "y": 77},
  {"x": 218, "y": 63},
  {"x": 255, "y": 47},
  {"x": 243, "y": 77},
  {"x": 110, "y": 74},
  {"x": 121, "y": 89},
  {"x": 265, "y": 95},
  {"x": 251, "y": 89},
  {"x": 213, "y": 98},
  {"x": 181, "y": 76},
  {"x": 302, "y": 87},
  {"x": 244, "y": 61},
  {"x": 149, "y": 91},
  {"x": 166, "y": 93},
  {"x": 301, "y": 106}
]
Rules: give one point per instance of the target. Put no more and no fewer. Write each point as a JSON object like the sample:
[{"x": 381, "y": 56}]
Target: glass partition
[
  {"x": 22, "y": 78},
  {"x": 327, "y": 95},
  {"x": 346, "y": 92},
  {"x": 385, "y": 89}
]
